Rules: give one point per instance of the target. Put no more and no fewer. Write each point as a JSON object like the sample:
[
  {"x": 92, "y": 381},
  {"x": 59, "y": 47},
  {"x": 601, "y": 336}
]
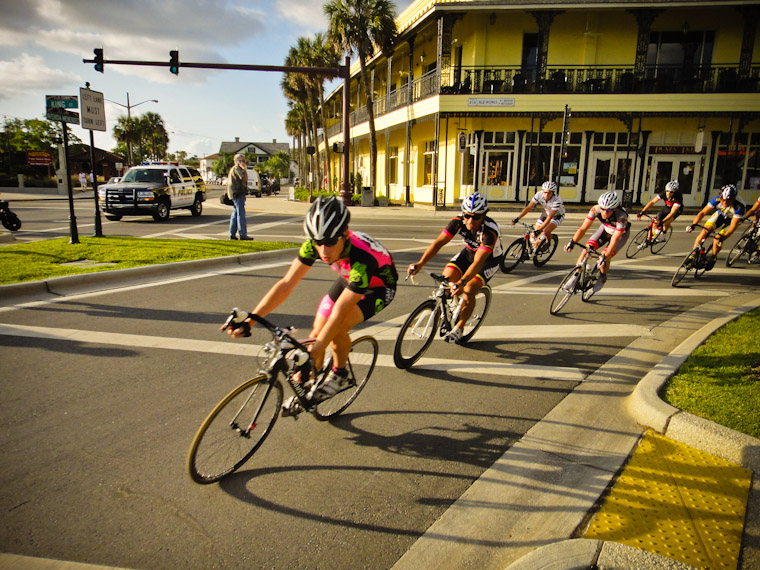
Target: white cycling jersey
[{"x": 553, "y": 204}]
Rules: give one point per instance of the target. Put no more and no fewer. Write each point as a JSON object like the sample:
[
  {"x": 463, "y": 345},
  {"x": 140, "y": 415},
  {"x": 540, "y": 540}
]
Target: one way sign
[{"x": 93, "y": 110}]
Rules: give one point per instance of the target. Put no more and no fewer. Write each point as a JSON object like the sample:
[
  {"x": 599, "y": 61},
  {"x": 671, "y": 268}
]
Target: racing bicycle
[
  {"x": 581, "y": 278},
  {"x": 646, "y": 238},
  {"x": 747, "y": 244},
  {"x": 438, "y": 314},
  {"x": 696, "y": 260},
  {"x": 528, "y": 247},
  {"x": 242, "y": 420}
]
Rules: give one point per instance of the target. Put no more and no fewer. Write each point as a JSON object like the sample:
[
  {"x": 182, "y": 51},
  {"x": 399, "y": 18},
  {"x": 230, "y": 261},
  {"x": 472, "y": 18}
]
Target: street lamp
[{"x": 129, "y": 108}]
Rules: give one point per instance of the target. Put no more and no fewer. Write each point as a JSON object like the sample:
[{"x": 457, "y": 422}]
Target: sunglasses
[
  {"x": 475, "y": 217},
  {"x": 608, "y": 209},
  {"x": 327, "y": 242}
]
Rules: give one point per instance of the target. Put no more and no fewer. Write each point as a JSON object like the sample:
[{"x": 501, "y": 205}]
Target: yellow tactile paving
[{"x": 679, "y": 502}]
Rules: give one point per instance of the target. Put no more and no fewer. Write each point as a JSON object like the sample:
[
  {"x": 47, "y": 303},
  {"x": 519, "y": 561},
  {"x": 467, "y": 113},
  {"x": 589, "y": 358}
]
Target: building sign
[
  {"x": 491, "y": 102},
  {"x": 38, "y": 158},
  {"x": 93, "y": 110},
  {"x": 674, "y": 150}
]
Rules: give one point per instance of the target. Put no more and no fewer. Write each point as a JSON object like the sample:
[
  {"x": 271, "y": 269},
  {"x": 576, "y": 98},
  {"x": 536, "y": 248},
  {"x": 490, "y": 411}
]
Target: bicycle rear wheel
[
  {"x": 513, "y": 256},
  {"x": 563, "y": 294},
  {"x": 482, "y": 304},
  {"x": 234, "y": 429},
  {"x": 661, "y": 240},
  {"x": 545, "y": 251},
  {"x": 361, "y": 363},
  {"x": 638, "y": 243},
  {"x": 741, "y": 248},
  {"x": 416, "y": 334},
  {"x": 684, "y": 268}
]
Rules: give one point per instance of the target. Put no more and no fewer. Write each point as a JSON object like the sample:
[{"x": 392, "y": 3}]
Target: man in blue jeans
[{"x": 237, "y": 188}]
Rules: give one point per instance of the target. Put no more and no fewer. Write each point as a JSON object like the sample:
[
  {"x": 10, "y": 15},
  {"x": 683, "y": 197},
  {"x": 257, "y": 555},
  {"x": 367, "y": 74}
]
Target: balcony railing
[{"x": 569, "y": 79}]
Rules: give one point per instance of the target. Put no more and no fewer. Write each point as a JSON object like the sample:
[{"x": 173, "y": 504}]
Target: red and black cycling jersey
[
  {"x": 618, "y": 221},
  {"x": 677, "y": 198},
  {"x": 487, "y": 237}
]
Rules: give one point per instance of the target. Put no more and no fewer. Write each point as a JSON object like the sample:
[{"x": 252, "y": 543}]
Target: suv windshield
[{"x": 145, "y": 175}]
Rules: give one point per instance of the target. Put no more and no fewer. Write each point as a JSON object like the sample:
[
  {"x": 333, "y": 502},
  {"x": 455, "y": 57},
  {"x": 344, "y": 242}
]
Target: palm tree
[
  {"x": 361, "y": 26},
  {"x": 156, "y": 140},
  {"x": 325, "y": 55},
  {"x": 127, "y": 130}
]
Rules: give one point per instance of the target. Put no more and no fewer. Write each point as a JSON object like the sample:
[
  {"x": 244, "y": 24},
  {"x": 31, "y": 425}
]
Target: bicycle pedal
[{"x": 292, "y": 407}]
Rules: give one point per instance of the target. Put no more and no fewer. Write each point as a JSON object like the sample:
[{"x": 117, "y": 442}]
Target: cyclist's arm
[
  {"x": 282, "y": 289},
  {"x": 581, "y": 231},
  {"x": 753, "y": 209},
  {"x": 702, "y": 213},
  {"x": 735, "y": 221},
  {"x": 672, "y": 213},
  {"x": 651, "y": 203},
  {"x": 616, "y": 236},
  {"x": 526, "y": 209},
  {"x": 548, "y": 218},
  {"x": 481, "y": 256},
  {"x": 443, "y": 238}
]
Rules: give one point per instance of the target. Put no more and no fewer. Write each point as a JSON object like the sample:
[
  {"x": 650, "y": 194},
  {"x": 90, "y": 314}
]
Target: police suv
[{"x": 154, "y": 189}]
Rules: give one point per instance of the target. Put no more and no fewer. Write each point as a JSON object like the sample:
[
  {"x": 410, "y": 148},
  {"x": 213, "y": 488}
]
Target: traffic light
[
  {"x": 174, "y": 61},
  {"x": 98, "y": 59}
]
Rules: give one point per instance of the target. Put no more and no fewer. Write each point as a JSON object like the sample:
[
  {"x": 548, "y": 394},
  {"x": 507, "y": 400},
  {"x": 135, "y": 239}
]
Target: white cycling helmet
[
  {"x": 326, "y": 219},
  {"x": 609, "y": 200},
  {"x": 475, "y": 204},
  {"x": 672, "y": 186},
  {"x": 728, "y": 192},
  {"x": 549, "y": 186}
]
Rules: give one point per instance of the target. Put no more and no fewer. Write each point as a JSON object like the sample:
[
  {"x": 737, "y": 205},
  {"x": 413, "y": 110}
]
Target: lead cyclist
[{"x": 365, "y": 286}]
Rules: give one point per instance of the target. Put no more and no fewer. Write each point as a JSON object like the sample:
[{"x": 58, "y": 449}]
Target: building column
[
  {"x": 644, "y": 19},
  {"x": 544, "y": 20},
  {"x": 750, "y": 15},
  {"x": 445, "y": 29}
]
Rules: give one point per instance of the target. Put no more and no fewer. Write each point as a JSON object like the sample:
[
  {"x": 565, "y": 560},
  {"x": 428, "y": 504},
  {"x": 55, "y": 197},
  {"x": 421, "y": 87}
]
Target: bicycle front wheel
[
  {"x": 563, "y": 294},
  {"x": 234, "y": 429},
  {"x": 661, "y": 240},
  {"x": 416, "y": 334},
  {"x": 545, "y": 251},
  {"x": 361, "y": 363},
  {"x": 684, "y": 268},
  {"x": 741, "y": 248},
  {"x": 513, "y": 256},
  {"x": 482, "y": 304},
  {"x": 638, "y": 243}
]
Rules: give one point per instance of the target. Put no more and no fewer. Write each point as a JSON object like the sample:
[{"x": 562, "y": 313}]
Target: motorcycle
[{"x": 8, "y": 218}]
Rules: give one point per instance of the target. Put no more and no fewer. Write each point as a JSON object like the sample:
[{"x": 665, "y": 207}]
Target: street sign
[
  {"x": 93, "y": 110},
  {"x": 56, "y": 108}
]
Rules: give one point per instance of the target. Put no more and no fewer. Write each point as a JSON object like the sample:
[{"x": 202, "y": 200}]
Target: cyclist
[
  {"x": 554, "y": 210},
  {"x": 728, "y": 212},
  {"x": 613, "y": 233},
  {"x": 365, "y": 286},
  {"x": 672, "y": 207},
  {"x": 475, "y": 264},
  {"x": 755, "y": 209}
]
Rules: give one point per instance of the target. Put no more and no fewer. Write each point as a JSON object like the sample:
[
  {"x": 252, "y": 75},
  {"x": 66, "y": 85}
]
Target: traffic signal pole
[{"x": 174, "y": 66}]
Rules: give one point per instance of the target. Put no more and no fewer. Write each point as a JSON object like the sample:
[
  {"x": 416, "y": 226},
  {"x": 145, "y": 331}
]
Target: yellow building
[{"x": 476, "y": 94}]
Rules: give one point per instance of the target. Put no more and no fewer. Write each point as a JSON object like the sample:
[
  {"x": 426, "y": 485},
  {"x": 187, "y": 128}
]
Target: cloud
[{"x": 30, "y": 73}]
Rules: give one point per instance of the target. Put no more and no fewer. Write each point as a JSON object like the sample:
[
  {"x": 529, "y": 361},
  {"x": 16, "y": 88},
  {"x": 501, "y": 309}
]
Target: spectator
[{"x": 237, "y": 189}]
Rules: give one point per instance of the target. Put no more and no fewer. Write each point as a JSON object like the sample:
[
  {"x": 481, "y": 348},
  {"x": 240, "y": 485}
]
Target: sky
[{"x": 43, "y": 43}]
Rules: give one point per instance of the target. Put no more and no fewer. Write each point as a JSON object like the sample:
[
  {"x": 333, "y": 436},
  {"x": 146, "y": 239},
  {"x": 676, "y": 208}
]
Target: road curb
[{"x": 86, "y": 282}]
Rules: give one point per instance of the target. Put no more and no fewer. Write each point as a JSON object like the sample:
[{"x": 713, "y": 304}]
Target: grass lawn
[
  {"x": 45, "y": 259},
  {"x": 721, "y": 380}
]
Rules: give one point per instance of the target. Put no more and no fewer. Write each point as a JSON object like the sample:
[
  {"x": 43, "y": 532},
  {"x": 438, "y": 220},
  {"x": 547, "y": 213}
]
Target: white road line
[
  {"x": 243, "y": 349},
  {"x": 609, "y": 291}
]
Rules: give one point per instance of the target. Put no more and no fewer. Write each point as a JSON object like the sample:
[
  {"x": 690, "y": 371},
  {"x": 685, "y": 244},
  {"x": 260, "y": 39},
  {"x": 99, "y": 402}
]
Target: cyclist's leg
[
  {"x": 457, "y": 266},
  {"x": 340, "y": 342},
  {"x": 551, "y": 226},
  {"x": 469, "y": 293}
]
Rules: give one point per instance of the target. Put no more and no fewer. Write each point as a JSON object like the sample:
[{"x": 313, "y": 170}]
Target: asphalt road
[{"x": 102, "y": 394}]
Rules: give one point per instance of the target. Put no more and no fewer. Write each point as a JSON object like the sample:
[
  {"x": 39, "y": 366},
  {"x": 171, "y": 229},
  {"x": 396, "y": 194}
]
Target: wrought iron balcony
[{"x": 569, "y": 79}]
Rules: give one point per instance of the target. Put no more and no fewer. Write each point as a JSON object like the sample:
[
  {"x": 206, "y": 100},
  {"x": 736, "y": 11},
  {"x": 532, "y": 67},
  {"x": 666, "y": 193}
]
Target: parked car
[
  {"x": 254, "y": 183},
  {"x": 154, "y": 189},
  {"x": 114, "y": 180}
]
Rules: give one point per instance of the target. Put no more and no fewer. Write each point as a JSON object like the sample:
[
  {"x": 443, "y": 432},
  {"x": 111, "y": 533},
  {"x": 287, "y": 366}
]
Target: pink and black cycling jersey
[
  {"x": 617, "y": 222},
  {"x": 487, "y": 237},
  {"x": 364, "y": 263}
]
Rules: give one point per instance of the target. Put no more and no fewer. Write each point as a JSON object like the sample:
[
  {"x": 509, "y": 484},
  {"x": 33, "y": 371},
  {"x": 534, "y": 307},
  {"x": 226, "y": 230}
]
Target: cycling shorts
[
  {"x": 556, "y": 220},
  {"x": 665, "y": 210},
  {"x": 601, "y": 238},
  {"x": 717, "y": 221},
  {"x": 462, "y": 261},
  {"x": 371, "y": 303}
]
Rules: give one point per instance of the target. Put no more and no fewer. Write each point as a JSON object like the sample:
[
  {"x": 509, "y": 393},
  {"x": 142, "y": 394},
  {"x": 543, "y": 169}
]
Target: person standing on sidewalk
[{"x": 237, "y": 188}]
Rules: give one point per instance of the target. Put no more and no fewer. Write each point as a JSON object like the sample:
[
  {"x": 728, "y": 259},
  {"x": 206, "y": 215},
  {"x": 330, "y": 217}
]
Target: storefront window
[
  {"x": 393, "y": 165},
  {"x": 427, "y": 168},
  {"x": 542, "y": 162}
]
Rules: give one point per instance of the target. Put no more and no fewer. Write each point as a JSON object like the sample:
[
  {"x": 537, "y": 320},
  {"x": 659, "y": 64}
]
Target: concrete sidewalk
[{"x": 529, "y": 510}]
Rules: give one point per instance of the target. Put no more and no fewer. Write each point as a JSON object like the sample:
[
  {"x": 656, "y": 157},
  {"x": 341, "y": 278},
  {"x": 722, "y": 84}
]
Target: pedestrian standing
[
  {"x": 237, "y": 188},
  {"x": 83, "y": 181}
]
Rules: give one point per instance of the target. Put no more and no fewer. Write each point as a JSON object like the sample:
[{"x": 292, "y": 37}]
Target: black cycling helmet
[{"x": 327, "y": 218}]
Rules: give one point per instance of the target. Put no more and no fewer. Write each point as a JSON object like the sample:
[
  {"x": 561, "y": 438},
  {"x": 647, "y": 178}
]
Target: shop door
[
  {"x": 497, "y": 175},
  {"x": 609, "y": 171},
  {"x": 683, "y": 169}
]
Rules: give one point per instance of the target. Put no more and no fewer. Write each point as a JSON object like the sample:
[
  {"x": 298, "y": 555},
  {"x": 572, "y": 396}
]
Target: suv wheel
[
  {"x": 113, "y": 217},
  {"x": 162, "y": 211},
  {"x": 197, "y": 207}
]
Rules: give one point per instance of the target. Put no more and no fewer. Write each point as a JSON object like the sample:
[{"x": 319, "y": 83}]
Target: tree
[
  {"x": 362, "y": 26},
  {"x": 127, "y": 131},
  {"x": 21, "y": 135},
  {"x": 145, "y": 137},
  {"x": 279, "y": 164}
]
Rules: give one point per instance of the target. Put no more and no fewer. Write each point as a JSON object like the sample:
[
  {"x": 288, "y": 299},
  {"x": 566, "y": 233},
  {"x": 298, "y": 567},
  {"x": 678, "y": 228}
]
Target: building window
[
  {"x": 427, "y": 168},
  {"x": 738, "y": 162},
  {"x": 393, "y": 165},
  {"x": 542, "y": 161}
]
